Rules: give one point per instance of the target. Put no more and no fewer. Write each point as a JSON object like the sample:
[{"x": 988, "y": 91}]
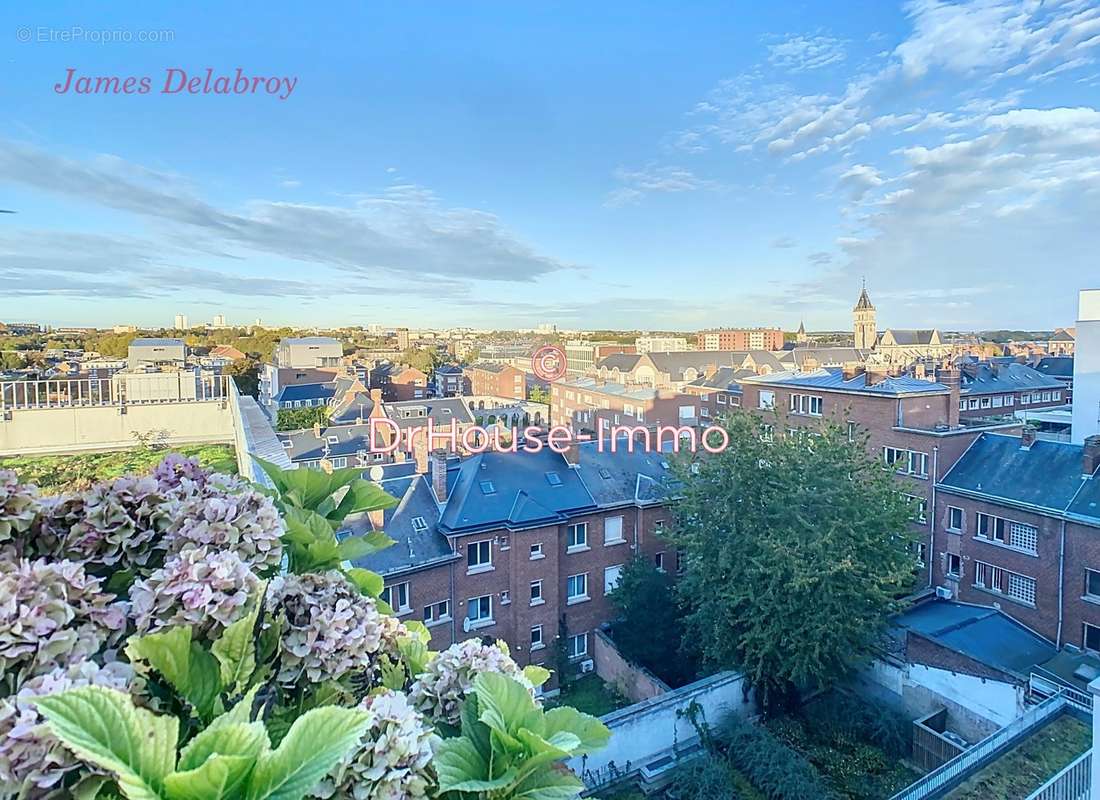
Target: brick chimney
[
  {"x": 949, "y": 376},
  {"x": 420, "y": 452},
  {"x": 376, "y": 396},
  {"x": 438, "y": 461},
  {"x": 1027, "y": 438},
  {"x": 1091, "y": 455},
  {"x": 809, "y": 364},
  {"x": 317, "y": 429},
  {"x": 852, "y": 369}
]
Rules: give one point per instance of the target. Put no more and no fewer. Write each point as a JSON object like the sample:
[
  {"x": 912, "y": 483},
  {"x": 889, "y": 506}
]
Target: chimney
[
  {"x": 852, "y": 369},
  {"x": 439, "y": 475},
  {"x": 877, "y": 373},
  {"x": 809, "y": 364},
  {"x": 376, "y": 396},
  {"x": 1027, "y": 438},
  {"x": 1091, "y": 455},
  {"x": 317, "y": 429},
  {"x": 420, "y": 452},
  {"x": 919, "y": 371},
  {"x": 711, "y": 370},
  {"x": 949, "y": 377}
]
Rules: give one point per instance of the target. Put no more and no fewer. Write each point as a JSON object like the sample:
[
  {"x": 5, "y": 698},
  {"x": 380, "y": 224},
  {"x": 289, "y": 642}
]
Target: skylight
[
  {"x": 487, "y": 487},
  {"x": 553, "y": 478},
  {"x": 605, "y": 473},
  {"x": 419, "y": 524}
]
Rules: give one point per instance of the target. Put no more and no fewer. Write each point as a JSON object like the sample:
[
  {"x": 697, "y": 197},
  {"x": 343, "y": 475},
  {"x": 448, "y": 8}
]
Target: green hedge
[
  {"x": 838, "y": 716},
  {"x": 772, "y": 767},
  {"x": 704, "y": 779}
]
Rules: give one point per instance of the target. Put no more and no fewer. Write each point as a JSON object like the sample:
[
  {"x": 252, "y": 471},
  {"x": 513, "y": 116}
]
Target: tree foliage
[
  {"x": 246, "y": 374},
  {"x": 796, "y": 549},
  {"x": 296, "y": 419},
  {"x": 537, "y": 394}
]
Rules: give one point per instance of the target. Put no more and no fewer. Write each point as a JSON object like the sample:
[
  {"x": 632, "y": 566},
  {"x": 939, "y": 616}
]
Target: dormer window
[{"x": 333, "y": 440}]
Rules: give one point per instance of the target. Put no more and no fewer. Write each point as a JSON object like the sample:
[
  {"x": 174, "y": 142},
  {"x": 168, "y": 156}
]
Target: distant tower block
[{"x": 864, "y": 325}]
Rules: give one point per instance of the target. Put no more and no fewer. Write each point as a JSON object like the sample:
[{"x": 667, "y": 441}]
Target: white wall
[
  {"x": 1086, "y": 368},
  {"x": 996, "y": 701}
]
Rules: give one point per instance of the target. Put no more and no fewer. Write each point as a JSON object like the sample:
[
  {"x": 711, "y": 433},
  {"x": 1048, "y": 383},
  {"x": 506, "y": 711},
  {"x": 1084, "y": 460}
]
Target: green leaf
[
  {"x": 367, "y": 582},
  {"x": 473, "y": 729},
  {"x": 204, "y": 683},
  {"x": 224, "y": 739},
  {"x": 549, "y": 784},
  {"x": 367, "y": 544},
  {"x": 536, "y": 674},
  {"x": 219, "y": 778},
  {"x": 505, "y": 704},
  {"x": 460, "y": 768},
  {"x": 315, "y": 743},
  {"x": 235, "y": 650},
  {"x": 361, "y": 496},
  {"x": 591, "y": 733},
  {"x": 103, "y": 727},
  {"x": 168, "y": 652}
]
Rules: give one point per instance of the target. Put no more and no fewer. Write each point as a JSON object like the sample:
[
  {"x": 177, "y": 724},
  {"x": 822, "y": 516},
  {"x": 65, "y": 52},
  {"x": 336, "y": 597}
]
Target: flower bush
[{"x": 185, "y": 635}]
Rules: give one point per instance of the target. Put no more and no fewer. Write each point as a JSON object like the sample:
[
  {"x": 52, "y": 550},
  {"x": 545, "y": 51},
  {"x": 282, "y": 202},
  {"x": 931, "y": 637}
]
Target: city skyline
[{"x": 502, "y": 166}]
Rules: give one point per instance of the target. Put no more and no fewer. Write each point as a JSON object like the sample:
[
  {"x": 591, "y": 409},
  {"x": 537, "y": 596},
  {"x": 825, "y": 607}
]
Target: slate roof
[
  {"x": 676, "y": 364},
  {"x": 156, "y": 342},
  {"x": 305, "y": 445},
  {"x": 1063, "y": 335},
  {"x": 828, "y": 355},
  {"x": 306, "y": 391},
  {"x": 980, "y": 379},
  {"x": 984, "y": 634},
  {"x": 832, "y": 378},
  {"x": 622, "y": 476},
  {"x": 624, "y": 362},
  {"x": 351, "y": 408},
  {"x": 904, "y": 336},
  {"x": 489, "y": 366},
  {"x": 726, "y": 379},
  {"x": 441, "y": 410},
  {"x": 864, "y": 301},
  {"x": 1045, "y": 477},
  {"x": 1055, "y": 366}
]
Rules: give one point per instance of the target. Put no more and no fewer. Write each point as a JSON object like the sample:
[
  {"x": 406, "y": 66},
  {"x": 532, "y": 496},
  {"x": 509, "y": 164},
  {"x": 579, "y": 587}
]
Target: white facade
[
  {"x": 308, "y": 351},
  {"x": 181, "y": 322},
  {"x": 1086, "y": 368},
  {"x": 661, "y": 344}
]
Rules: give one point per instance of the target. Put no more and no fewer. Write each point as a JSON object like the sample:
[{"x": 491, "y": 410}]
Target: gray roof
[
  {"x": 829, "y": 355},
  {"x": 725, "y": 379},
  {"x": 624, "y": 362},
  {"x": 1056, "y": 366},
  {"x": 154, "y": 342},
  {"x": 676, "y": 364},
  {"x": 984, "y": 634},
  {"x": 904, "y": 336},
  {"x": 441, "y": 411},
  {"x": 981, "y": 378},
  {"x": 1046, "y": 477},
  {"x": 350, "y": 409},
  {"x": 832, "y": 378},
  {"x": 623, "y": 477},
  {"x": 304, "y": 445},
  {"x": 864, "y": 301},
  {"x": 306, "y": 391}
]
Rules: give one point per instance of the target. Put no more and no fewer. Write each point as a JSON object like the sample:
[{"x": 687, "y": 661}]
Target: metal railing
[
  {"x": 984, "y": 750},
  {"x": 120, "y": 389},
  {"x": 1040, "y": 687},
  {"x": 1074, "y": 782}
]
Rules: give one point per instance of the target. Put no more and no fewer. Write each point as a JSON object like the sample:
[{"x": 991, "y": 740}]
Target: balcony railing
[
  {"x": 1072, "y": 783},
  {"x": 121, "y": 389}
]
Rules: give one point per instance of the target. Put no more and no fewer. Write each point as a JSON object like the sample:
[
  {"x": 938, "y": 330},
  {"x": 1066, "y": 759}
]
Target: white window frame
[
  {"x": 766, "y": 400},
  {"x": 962, "y": 519},
  {"x": 480, "y": 565},
  {"x": 480, "y": 621},
  {"x": 621, "y": 538},
  {"x": 536, "y": 593},
  {"x": 537, "y": 642},
  {"x": 536, "y": 552},
  {"x": 617, "y": 571},
  {"x": 576, "y": 537},
  {"x": 403, "y": 606},
  {"x": 574, "y": 652},
  {"x": 573, "y": 582}
]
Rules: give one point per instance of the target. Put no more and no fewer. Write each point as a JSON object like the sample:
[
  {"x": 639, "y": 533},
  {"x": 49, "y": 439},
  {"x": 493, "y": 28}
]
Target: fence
[
  {"x": 1072, "y": 783},
  {"x": 983, "y": 751},
  {"x": 121, "y": 389},
  {"x": 931, "y": 749},
  {"x": 1041, "y": 687}
]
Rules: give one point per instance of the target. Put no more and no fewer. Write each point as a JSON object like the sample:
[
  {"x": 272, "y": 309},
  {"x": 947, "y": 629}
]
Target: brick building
[
  {"x": 718, "y": 393},
  {"x": 1003, "y": 387},
  {"x": 495, "y": 380},
  {"x": 518, "y": 546},
  {"x": 406, "y": 383},
  {"x": 913, "y": 424},
  {"x": 1017, "y": 527},
  {"x": 581, "y": 403},
  {"x": 740, "y": 339}
]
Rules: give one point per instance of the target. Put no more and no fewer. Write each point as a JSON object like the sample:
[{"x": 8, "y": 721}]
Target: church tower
[
  {"x": 865, "y": 327},
  {"x": 801, "y": 337}
]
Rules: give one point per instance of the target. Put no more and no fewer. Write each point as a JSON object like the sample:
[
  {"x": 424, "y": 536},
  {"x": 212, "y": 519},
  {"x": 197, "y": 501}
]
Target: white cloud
[
  {"x": 800, "y": 53},
  {"x": 637, "y": 183}
]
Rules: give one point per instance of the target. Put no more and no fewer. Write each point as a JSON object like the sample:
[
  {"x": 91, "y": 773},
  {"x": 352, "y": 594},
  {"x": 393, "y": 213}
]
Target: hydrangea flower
[
  {"x": 394, "y": 758},
  {"x": 438, "y": 692},
  {"x": 180, "y": 475},
  {"x": 206, "y": 589},
  {"x": 52, "y": 614},
  {"x": 19, "y": 507},
  {"x": 33, "y": 763},
  {"x": 116, "y": 524},
  {"x": 247, "y": 523},
  {"x": 330, "y": 627}
]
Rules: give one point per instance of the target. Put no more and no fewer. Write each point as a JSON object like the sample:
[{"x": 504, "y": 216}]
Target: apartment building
[
  {"x": 660, "y": 344},
  {"x": 590, "y": 404},
  {"x": 581, "y": 356},
  {"x": 1003, "y": 387},
  {"x": 406, "y": 383},
  {"x": 288, "y": 387},
  {"x": 672, "y": 370},
  {"x": 913, "y": 423},
  {"x": 523, "y": 547},
  {"x": 308, "y": 351},
  {"x": 740, "y": 339},
  {"x": 1017, "y": 527},
  {"x": 718, "y": 393},
  {"x": 496, "y": 380},
  {"x": 448, "y": 380}
]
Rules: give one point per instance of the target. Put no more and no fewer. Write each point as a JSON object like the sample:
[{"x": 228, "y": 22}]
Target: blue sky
[{"x": 665, "y": 166}]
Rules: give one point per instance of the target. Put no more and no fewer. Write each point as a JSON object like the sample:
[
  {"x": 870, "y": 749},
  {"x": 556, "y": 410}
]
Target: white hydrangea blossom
[
  {"x": 330, "y": 627},
  {"x": 52, "y": 614},
  {"x": 394, "y": 758},
  {"x": 32, "y": 762},
  {"x": 206, "y": 589},
  {"x": 438, "y": 692},
  {"x": 19, "y": 507},
  {"x": 247, "y": 523}
]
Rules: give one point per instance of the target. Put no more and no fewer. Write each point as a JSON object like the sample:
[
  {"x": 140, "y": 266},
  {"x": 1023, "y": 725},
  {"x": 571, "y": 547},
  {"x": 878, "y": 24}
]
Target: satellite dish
[
  {"x": 465, "y": 624},
  {"x": 376, "y": 472}
]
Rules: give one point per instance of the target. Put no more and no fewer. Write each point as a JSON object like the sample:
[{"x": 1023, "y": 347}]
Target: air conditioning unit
[
  {"x": 587, "y": 665},
  {"x": 944, "y": 593}
]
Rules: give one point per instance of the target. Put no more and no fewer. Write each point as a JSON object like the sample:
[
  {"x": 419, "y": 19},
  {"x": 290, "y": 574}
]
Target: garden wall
[
  {"x": 646, "y": 731},
  {"x": 634, "y": 682}
]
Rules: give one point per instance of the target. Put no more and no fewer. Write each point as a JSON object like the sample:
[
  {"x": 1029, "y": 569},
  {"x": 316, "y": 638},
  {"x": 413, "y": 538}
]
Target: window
[
  {"x": 479, "y": 555},
  {"x": 1091, "y": 638},
  {"x": 487, "y": 487},
  {"x": 659, "y": 561},
  {"x": 419, "y": 524},
  {"x": 576, "y": 588},
  {"x": 1001, "y": 581},
  {"x": 613, "y": 530},
  {"x": 611, "y": 577},
  {"x": 954, "y": 519},
  {"x": 1092, "y": 583},
  {"x": 767, "y": 432},
  {"x": 1011, "y": 534},
  {"x": 553, "y": 478},
  {"x": 340, "y": 463},
  {"x": 767, "y": 399},
  {"x": 986, "y": 402},
  {"x": 576, "y": 537},
  {"x": 577, "y": 646},
  {"x": 806, "y": 404},
  {"x": 659, "y": 528},
  {"x": 397, "y": 597},
  {"x": 721, "y": 399},
  {"x": 953, "y": 567},
  {"x": 536, "y": 637},
  {"x": 505, "y": 598},
  {"x": 536, "y": 593},
  {"x": 919, "y": 506},
  {"x": 536, "y": 551},
  {"x": 437, "y": 612},
  {"x": 333, "y": 440},
  {"x": 906, "y": 462},
  {"x": 479, "y": 610}
]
